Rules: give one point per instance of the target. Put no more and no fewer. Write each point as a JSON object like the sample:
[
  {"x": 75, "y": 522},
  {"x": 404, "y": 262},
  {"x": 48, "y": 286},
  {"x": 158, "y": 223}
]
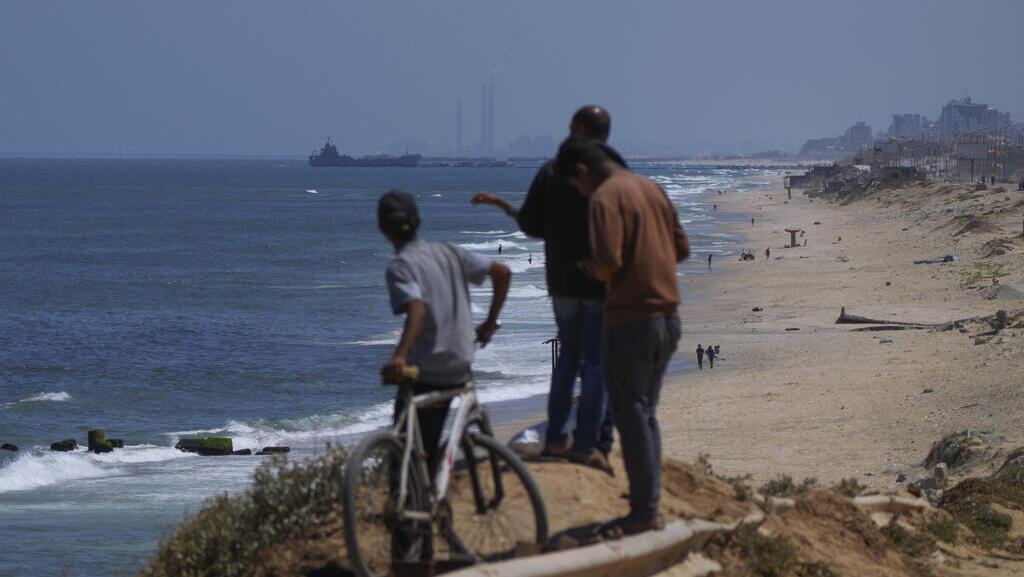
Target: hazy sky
[{"x": 275, "y": 78}]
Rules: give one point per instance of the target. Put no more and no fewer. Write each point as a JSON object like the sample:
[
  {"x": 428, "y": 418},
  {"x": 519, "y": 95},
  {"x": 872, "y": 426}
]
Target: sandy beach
[{"x": 793, "y": 392}]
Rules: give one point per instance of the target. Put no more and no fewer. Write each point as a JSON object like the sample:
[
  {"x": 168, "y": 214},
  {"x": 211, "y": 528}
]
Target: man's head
[
  {"x": 585, "y": 163},
  {"x": 397, "y": 216},
  {"x": 591, "y": 121}
]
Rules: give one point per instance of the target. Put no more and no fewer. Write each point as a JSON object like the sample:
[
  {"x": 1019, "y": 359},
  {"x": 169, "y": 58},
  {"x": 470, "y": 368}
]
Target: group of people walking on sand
[
  {"x": 711, "y": 352},
  {"x": 612, "y": 240}
]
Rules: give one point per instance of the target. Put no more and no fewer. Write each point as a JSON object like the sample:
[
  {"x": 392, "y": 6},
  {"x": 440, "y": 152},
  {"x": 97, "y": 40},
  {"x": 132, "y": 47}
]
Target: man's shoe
[
  {"x": 596, "y": 460},
  {"x": 618, "y": 528},
  {"x": 555, "y": 452}
]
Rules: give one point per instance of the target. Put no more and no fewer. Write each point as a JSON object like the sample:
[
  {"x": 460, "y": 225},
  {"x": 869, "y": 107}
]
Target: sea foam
[
  {"x": 32, "y": 470},
  {"x": 41, "y": 397}
]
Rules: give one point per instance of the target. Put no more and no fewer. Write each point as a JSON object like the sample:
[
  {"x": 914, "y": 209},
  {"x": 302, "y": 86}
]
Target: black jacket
[{"x": 557, "y": 212}]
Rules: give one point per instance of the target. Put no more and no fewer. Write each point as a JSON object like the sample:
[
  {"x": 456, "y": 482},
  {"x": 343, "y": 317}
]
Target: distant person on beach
[
  {"x": 428, "y": 282},
  {"x": 993, "y": 181},
  {"x": 767, "y": 253},
  {"x": 700, "y": 356},
  {"x": 751, "y": 221},
  {"x": 709, "y": 261},
  {"x": 635, "y": 242},
  {"x": 556, "y": 211},
  {"x": 499, "y": 248},
  {"x": 711, "y": 357}
]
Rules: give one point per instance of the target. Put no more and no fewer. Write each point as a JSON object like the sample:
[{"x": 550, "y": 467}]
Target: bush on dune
[{"x": 285, "y": 501}]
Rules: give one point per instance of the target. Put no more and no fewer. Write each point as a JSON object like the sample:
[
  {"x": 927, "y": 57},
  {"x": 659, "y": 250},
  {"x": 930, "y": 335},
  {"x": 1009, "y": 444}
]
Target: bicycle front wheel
[
  {"x": 495, "y": 502},
  {"x": 376, "y": 532}
]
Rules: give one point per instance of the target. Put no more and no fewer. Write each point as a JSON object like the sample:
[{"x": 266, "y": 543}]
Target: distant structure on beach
[
  {"x": 958, "y": 117},
  {"x": 855, "y": 139},
  {"x": 969, "y": 141},
  {"x": 328, "y": 156}
]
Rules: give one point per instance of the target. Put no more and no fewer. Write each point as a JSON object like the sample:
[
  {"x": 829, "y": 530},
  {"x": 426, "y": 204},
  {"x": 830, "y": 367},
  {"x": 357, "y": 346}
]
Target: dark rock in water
[
  {"x": 274, "y": 450},
  {"x": 98, "y": 442},
  {"x": 116, "y": 443},
  {"x": 757, "y": 309},
  {"x": 242, "y": 452},
  {"x": 8, "y": 447},
  {"x": 64, "y": 446},
  {"x": 206, "y": 446}
]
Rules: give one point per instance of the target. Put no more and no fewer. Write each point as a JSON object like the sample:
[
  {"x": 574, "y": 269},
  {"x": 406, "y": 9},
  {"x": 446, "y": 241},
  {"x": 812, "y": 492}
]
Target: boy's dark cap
[{"x": 397, "y": 212}]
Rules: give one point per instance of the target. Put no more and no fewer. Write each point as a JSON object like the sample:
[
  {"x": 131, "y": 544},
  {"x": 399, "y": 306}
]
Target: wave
[
  {"x": 527, "y": 292},
  {"x": 389, "y": 338},
  {"x": 491, "y": 245},
  {"x": 41, "y": 397},
  {"x": 31, "y": 470}
]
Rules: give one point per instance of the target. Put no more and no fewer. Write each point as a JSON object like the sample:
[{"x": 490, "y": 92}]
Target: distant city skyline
[{"x": 259, "y": 78}]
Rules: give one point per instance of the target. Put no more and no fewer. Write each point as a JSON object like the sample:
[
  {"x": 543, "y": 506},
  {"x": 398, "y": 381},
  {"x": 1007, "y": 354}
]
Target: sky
[{"x": 679, "y": 77}]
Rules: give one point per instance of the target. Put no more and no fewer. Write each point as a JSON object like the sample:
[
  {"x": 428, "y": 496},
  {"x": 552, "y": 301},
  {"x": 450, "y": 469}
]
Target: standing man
[
  {"x": 635, "y": 242},
  {"x": 700, "y": 356},
  {"x": 711, "y": 357},
  {"x": 556, "y": 211}
]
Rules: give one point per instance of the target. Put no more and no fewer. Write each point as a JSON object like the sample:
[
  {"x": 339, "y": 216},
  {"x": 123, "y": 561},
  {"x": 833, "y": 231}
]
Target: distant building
[
  {"x": 908, "y": 125},
  {"x": 819, "y": 148},
  {"x": 963, "y": 116},
  {"x": 855, "y": 139}
]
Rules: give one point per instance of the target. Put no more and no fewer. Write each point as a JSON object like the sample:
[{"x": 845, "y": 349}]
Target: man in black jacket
[{"x": 557, "y": 212}]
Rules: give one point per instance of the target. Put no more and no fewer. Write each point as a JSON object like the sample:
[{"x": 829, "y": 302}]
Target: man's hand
[
  {"x": 483, "y": 197},
  {"x": 392, "y": 372},
  {"x": 492, "y": 199},
  {"x": 485, "y": 332}
]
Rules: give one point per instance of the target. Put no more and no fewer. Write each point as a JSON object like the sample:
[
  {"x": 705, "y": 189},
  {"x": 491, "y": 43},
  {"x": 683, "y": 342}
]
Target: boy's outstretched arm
[
  {"x": 415, "y": 311},
  {"x": 500, "y": 278}
]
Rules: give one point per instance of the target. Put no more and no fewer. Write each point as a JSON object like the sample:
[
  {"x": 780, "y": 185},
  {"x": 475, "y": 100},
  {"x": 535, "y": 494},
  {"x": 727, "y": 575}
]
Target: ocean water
[{"x": 157, "y": 299}]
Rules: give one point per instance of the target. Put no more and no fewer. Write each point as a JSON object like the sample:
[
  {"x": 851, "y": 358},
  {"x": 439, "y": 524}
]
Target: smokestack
[
  {"x": 458, "y": 126},
  {"x": 490, "y": 117},
  {"x": 483, "y": 119}
]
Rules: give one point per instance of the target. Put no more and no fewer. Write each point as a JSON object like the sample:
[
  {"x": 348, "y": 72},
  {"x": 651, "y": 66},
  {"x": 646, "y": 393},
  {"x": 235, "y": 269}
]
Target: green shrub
[
  {"x": 284, "y": 501},
  {"x": 816, "y": 569},
  {"x": 989, "y": 525},
  {"x": 912, "y": 543},
  {"x": 785, "y": 487},
  {"x": 943, "y": 528},
  {"x": 765, "y": 555},
  {"x": 849, "y": 488}
]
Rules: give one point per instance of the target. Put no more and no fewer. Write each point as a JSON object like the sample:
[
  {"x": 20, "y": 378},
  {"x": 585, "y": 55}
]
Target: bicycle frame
[{"x": 467, "y": 411}]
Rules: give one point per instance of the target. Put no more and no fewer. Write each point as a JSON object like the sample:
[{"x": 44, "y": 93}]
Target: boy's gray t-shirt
[{"x": 437, "y": 273}]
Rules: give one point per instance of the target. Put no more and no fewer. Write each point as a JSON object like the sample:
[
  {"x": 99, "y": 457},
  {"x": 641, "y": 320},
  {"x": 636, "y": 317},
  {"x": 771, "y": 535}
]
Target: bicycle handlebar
[{"x": 410, "y": 373}]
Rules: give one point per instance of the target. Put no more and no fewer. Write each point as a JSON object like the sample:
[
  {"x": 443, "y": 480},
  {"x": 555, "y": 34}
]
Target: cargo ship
[{"x": 328, "y": 156}]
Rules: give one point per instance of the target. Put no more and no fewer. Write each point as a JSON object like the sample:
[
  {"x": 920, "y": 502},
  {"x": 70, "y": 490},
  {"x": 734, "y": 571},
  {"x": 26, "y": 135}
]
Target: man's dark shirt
[{"x": 557, "y": 212}]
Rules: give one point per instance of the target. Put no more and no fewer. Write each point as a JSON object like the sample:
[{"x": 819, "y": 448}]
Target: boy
[{"x": 428, "y": 283}]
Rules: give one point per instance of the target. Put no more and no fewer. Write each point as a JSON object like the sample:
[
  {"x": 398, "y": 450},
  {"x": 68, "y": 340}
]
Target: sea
[{"x": 166, "y": 298}]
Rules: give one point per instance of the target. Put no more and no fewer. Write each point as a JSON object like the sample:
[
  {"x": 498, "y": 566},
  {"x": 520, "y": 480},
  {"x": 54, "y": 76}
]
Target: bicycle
[{"x": 485, "y": 504}]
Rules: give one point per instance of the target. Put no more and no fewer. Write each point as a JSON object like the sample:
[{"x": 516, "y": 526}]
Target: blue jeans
[
  {"x": 635, "y": 357},
  {"x": 579, "y": 334}
]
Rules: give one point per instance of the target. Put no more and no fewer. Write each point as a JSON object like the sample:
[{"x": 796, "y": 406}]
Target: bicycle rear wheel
[
  {"x": 375, "y": 533},
  {"x": 495, "y": 502}
]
